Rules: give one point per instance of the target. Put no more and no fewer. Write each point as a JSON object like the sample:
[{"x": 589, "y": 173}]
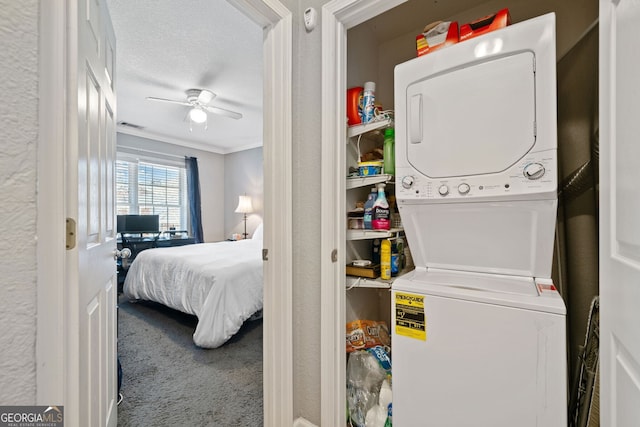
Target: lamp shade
[{"x": 244, "y": 205}]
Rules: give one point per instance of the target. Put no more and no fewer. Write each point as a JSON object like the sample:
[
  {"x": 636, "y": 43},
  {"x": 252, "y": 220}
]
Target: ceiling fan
[{"x": 198, "y": 100}]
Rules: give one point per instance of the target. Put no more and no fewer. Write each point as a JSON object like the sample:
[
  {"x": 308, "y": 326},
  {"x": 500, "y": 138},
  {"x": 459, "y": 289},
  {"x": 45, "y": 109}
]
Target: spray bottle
[{"x": 368, "y": 101}]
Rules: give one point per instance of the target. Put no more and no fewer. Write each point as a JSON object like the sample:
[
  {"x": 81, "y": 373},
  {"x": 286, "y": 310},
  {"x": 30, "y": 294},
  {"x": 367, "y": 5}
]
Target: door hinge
[
  {"x": 70, "y": 234},
  {"x": 334, "y": 255},
  {"x": 265, "y": 254}
]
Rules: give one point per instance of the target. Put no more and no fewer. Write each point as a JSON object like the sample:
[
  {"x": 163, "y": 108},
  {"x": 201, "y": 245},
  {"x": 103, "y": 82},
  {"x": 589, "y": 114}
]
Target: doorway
[
  {"x": 53, "y": 327},
  {"x": 337, "y": 20}
]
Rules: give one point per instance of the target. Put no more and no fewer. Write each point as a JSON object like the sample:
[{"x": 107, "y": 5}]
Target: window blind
[{"x": 146, "y": 188}]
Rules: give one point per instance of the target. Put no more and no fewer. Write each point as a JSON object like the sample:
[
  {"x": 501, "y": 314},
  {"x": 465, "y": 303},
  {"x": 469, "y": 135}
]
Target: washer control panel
[{"x": 536, "y": 173}]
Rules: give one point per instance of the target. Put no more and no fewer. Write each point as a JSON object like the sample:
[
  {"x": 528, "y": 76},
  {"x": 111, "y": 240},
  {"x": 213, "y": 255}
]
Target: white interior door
[
  {"x": 96, "y": 238},
  {"x": 619, "y": 213}
]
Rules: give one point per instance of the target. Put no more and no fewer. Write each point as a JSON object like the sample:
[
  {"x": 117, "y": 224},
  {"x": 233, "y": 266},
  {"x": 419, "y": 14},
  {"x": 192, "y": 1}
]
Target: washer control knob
[
  {"x": 534, "y": 171},
  {"x": 464, "y": 188},
  {"x": 443, "y": 190},
  {"x": 407, "y": 181}
]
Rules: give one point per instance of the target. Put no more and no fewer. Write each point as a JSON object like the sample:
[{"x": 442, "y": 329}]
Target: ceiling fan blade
[
  {"x": 223, "y": 112},
  {"x": 171, "y": 101},
  {"x": 205, "y": 96}
]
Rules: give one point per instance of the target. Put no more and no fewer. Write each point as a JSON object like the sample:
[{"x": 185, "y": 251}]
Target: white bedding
[{"x": 220, "y": 283}]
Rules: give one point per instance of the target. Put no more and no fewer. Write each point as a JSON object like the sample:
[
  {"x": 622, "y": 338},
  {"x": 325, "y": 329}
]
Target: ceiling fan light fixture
[{"x": 197, "y": 115}]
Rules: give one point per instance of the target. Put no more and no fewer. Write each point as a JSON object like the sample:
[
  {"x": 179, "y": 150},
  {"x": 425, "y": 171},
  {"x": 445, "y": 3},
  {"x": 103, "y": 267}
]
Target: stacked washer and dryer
[{"x": 478, "y": 335}]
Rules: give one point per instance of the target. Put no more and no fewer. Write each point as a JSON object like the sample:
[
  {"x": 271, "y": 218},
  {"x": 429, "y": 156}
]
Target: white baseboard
[{"x": 301, "y": 422}]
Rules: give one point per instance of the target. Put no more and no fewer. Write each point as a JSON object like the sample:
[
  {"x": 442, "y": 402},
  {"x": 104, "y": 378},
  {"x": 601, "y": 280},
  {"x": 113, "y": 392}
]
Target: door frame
[
  {"x": 337, "y": 17},
  {"x": 56, "y": 373}
]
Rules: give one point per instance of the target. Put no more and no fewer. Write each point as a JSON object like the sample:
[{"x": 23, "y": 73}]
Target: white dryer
[{"x": 478, "y": 333}]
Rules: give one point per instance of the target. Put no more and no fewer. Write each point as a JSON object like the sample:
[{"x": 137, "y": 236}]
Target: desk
[{"x": 176, "y": 241}]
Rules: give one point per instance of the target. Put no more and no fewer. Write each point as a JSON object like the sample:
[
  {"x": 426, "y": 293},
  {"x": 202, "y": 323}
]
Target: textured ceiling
[{"x": 165, "y": 47}]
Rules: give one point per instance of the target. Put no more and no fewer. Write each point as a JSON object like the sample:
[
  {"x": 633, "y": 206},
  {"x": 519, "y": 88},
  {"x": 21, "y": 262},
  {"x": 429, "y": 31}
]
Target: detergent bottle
[{"x": 381, "y": 212}]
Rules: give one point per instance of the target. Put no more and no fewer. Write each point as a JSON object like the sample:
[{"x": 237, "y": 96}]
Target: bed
[{"x": 219, "y": 283}]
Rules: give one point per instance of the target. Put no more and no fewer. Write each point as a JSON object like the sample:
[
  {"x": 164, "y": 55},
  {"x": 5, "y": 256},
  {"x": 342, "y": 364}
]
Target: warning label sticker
[
  {"x": 543, "y": 287},
  {"x": 410, "y": 318}
]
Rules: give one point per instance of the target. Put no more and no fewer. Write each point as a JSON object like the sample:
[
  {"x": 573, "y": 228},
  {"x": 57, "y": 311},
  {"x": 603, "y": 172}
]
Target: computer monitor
[{"x": 138, "y": 223}]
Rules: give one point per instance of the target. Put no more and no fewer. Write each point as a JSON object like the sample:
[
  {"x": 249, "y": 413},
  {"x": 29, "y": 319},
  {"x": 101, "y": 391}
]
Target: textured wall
[
  {"x": 18, "y": 139},
  {"x": 307, "y": 151}
]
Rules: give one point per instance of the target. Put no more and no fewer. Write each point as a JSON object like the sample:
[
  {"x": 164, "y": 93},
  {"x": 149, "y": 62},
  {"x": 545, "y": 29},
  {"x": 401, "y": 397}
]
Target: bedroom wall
[
  {"x": 243, "y": 175},
  {"x": 18, "y": 186},
  {"x": 211, "y": 167}
]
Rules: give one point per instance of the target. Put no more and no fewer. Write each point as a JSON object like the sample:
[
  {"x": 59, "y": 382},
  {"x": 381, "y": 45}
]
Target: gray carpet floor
[{"x": 169, "y": 381}]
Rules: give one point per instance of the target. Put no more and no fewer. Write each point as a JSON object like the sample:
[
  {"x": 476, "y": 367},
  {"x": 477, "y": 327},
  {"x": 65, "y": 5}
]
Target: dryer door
[{"x": 472, "y": 120}]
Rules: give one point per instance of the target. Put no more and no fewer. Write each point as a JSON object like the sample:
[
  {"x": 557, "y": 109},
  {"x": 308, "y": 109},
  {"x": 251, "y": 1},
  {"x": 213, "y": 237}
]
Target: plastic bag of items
[{"x": 369, "y": 388}]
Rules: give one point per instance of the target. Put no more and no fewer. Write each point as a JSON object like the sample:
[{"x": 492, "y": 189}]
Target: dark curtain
[{"x": 193, "y": 192}]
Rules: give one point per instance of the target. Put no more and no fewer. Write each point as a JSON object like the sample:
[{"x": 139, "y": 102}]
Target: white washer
[
  {"x": 478, "y": 335},
  {"x": 493, "y": 352}
]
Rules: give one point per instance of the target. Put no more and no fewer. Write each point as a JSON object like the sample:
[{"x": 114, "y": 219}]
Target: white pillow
[{"x": 257, "y": 235}]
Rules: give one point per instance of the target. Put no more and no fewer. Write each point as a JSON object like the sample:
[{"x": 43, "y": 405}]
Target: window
[{"x": 147, "y": 188}]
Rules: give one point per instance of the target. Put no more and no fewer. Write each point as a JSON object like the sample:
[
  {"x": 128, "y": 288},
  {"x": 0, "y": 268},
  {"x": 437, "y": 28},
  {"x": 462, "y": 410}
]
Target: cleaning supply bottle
[
  {"x": 381, "y": 214},
  {"x": 375, "y": 251},
  {"x": 368, "y": 101},
  {"x": 385, "y": 260},
  {"x": 368, "y": 208},
  {"x": 389, "y": 152},
  {"x": 395, "y": 259},
  {"x": 400, "y": 247},
  {"x": 354, "y": 96}
]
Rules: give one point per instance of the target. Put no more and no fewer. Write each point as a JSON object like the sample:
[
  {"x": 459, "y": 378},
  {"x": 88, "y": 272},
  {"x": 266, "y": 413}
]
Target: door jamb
[
  {"x": 50, "y": 226},
  {"x": 278, "y": 208},
  {"x": 337, "y": 17}
]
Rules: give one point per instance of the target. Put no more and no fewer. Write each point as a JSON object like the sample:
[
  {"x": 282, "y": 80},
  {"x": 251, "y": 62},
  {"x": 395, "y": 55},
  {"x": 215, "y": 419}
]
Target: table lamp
[{"x": 244, "y": 207}]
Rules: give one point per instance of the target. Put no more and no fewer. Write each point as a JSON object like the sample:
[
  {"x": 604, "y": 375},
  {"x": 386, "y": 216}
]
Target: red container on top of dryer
[{"x": 486, "y": 24}]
